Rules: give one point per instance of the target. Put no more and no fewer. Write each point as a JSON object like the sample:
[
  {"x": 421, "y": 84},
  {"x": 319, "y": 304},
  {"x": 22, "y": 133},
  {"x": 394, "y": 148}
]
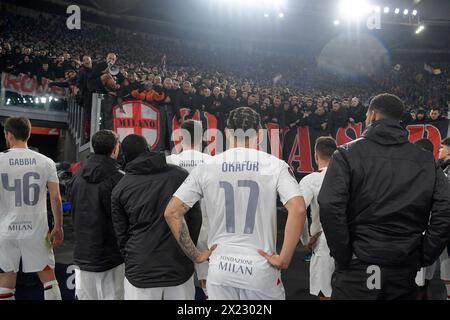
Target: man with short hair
[
  {"x": 184, "y": 99},
  {"x": 100, "y": 269},
  {"x": 375, "y": 204},
  {"x": 24, "y": 232},
  {"x": 239, "y": 188},
  {"x": 189, "y": 158},
  {"x": 322, "y": 264},
  {"x": 155, "y": 267},
  {"x": 435, "y": 115}
]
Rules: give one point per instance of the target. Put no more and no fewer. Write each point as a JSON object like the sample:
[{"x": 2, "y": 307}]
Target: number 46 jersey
[
  {"x": 23, "y": 193},
  {"x": 239, "y": 189}
]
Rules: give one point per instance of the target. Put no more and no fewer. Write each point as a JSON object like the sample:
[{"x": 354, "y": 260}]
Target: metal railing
[{"x": 77, "y": 123}]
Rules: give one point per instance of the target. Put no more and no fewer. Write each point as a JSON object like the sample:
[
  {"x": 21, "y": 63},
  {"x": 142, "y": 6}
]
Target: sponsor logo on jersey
[
  {"x": 21, "y": 226},
  {"x": 236, "y": 265}
]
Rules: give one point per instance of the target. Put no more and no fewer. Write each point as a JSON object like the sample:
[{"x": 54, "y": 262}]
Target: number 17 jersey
[
  {"x": 24, "y": 175},
  {"x": 239, "y": 189}
]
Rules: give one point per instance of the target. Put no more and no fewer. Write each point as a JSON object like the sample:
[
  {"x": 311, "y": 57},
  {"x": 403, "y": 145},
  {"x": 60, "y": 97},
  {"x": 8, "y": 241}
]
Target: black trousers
[{"x": 362, "y": 281}]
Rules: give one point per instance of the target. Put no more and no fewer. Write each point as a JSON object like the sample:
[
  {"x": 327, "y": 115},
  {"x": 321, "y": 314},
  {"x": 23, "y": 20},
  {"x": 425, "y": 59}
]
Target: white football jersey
[
  {"x": 310, "y": 187},
  {"x": 24, "y": 175},
  {"x": 188, "y": 159},
  {"x": 239, "y": 188}
]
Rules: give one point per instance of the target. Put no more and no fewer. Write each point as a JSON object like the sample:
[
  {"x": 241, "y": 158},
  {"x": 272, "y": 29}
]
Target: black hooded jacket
[
  {"x": 152, "y": 255},
  {"x": 376, "y": 199},
  {"x": 95, "y": 247}
]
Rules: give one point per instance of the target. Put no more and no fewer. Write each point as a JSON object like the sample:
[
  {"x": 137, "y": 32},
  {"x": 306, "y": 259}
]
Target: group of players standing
[{"x": 148, "y": 232}]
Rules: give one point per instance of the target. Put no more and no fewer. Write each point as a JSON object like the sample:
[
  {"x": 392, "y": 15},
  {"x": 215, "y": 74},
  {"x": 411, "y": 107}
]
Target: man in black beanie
[{"x": 155, "y": 266}]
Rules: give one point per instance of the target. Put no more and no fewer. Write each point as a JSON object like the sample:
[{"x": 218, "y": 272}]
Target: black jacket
[
  {"x": 376, "y": 199},
  {"x": 337, "y": 119},
  {"x": 153, "y": 257},
  {"x": 315, "y": 121},
  {"x": 95, "y": 247},
  {"x": 184, "y": 100},
  {"x": 358, "y": 113}
]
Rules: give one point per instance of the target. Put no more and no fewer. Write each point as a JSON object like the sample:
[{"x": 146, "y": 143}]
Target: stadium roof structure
[{"x": 302, "y": 23}]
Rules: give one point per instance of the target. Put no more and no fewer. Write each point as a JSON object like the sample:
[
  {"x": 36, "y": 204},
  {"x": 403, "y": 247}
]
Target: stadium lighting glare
[
  {"x": 266, "y": 15},
  {"x": 281, "y": 15},
  {"x": 405, "y": 12},
  {"x": 377, "y": 9},
  {"x": 420, "y": 29},
  {"x": 414, "y": 12},
  {"x": 397, "y": 11},
  {"x": 386, "y": 10},
  {"x": 355, "y": 8},
  {"x": 336, "y": 22}
]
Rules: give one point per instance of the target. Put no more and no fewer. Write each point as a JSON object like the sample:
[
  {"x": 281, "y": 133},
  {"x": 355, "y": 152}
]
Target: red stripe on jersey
[
  {"x": 47, "y": 268},
  {"x": 6, "y": 295}
]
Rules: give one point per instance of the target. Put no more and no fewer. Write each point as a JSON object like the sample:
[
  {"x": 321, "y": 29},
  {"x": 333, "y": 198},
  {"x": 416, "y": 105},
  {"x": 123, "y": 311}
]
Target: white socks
[
  {"x": 51, "y": 291},
  {"x": 7, "y": 294}
]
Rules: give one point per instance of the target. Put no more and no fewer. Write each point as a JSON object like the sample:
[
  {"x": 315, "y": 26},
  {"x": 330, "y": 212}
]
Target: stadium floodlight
[
  {"x": 405, "y": 12},
  {"x": 281, "y": 15},
  {"x": 414, "y": 12},
  {"x": 336, "y": 22},
  {"x": 420, "y": 29},
  {"x": 386, "y": 10},
  {"x": 355, "y": 8},
  {"x": 266, "y": 15},
  {"x": 397, "y": 11}
]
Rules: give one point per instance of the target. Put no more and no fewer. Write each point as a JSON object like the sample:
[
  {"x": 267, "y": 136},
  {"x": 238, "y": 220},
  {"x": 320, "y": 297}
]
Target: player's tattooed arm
[
  {"x": 174, "y": 215},
  {"x": 186, "y": 243}
]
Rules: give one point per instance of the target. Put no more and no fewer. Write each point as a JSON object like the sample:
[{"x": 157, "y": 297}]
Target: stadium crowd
[
  {"x": 173, "y": 74},
  {"x": 118, "y": 219}
]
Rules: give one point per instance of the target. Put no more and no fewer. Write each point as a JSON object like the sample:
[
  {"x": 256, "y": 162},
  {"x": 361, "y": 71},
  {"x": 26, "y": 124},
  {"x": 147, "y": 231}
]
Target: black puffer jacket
[
  {"x": 95, "y": 247},
  {"x": 376, "y": 200},
  {"x": 153, "y": 257}
]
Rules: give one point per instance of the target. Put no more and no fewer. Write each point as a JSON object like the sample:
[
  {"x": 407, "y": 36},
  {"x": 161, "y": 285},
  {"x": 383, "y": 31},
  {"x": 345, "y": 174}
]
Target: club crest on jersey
[{"x": 138, "y": 117}]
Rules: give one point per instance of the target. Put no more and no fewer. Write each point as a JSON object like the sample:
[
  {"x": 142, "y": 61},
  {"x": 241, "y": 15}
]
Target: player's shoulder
[
  {"x": 313, "y": 179},
  {"x": 41, "y": 157},
  {"x": 172, "y": 158}
]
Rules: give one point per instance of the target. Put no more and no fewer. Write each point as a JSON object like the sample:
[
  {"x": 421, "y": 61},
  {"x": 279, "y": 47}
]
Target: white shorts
[
  {"x": 216, "y": 292},
  {"x": 445, "y": 265},
  {"x": 427, "y": 273},
  {"x": 321, "y": 269},
  {"x": 202, "y": 270},
  {"x": 107, "y": 285},
  {"x": 185, "y": 291},
  {"x": 36, "y": 255}
]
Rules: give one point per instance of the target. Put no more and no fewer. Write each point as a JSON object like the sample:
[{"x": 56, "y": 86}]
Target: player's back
[
  {"x": 310, "y": 187},
  {"x": 23, "y": 193},
  {"x": 239, "y": 189},
  {"x": 188, "y": 159}
]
